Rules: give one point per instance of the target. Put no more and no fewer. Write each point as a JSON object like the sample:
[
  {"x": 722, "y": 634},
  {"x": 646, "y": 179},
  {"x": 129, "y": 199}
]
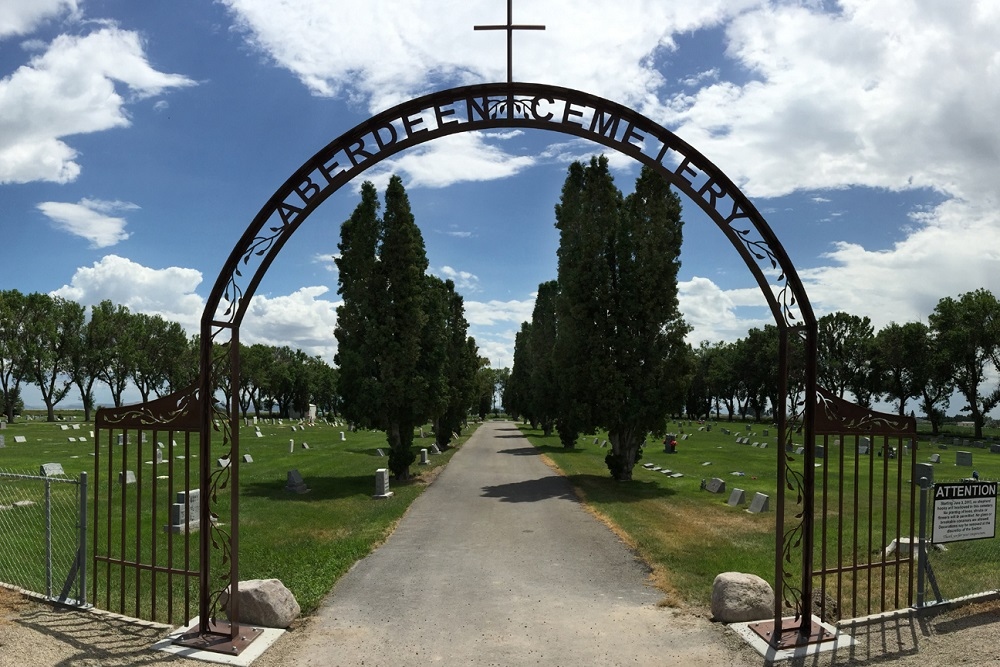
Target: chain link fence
[
  {"x": 966, "y": 564},
  {"x": 43, "y": 526}
]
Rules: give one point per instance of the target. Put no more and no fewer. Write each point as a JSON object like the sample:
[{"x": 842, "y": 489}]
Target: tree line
[{"x": 51, "y": 343}]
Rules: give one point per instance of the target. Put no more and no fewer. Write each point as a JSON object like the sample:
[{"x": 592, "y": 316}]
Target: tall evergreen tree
[
  {"x": 544, "y": 391},
  {"x": 621, "y": 335},
  {"x": 380, "y": 326}
]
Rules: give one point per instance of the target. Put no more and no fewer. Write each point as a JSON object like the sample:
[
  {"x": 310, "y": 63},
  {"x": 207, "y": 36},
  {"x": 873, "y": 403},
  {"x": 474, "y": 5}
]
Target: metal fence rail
[{"x": 43, "y": 524}]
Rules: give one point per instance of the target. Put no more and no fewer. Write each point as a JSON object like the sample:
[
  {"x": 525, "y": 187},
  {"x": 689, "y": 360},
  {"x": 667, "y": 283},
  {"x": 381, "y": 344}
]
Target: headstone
[
  {"x": 766, "y": 433},
  {"x": 595, "y": 441},
  {"x": 800, "y": 450},
  {"x": 963, "y": 458},
  {"x": 185, "y": 513},
  {"x": 3, "y": 425},
  {"x": 435, "y": 449},
  {"x": 820, "y": 452},
  {"x": 305, "y": 445},
  {"x": 258, "y": 433},
  {"x": 423, "y": 457},
  {"x": 761, "y": 503},
  {"x": 291, "y": 446},
  {"x": 685, "y": 436},
  {"x": 380, "y": 452},
  {"x": 76, "y": 427},
  {"x": 247, "y": 458},
  {"x": 20, "y": 438},
  {"x": 127, "y": 477},
  {"x": 223, "y": 462},
  {"x": 647, "y": 465},
  {"x": 51, "y": 470},
  {"x": 737, "y": 498},
  {"x": 935, "y": 458},
  {"x": 382, "y": 484},
  {"x": 924, "y": 470},
  {"x": 604, "y": 444},
  {"x": 295, "y": 483},
  {"x": 159, "y": 456},
  {"x": 716, "y": 485},
  {"x": 676, "y": 475},
  {"x": 63, "y": 427},
  {"x": 763, "y": 445},
  {"x": 70, "y": 439},
  {"x": 863, "y": 448},
  {"x": 343, "y": 438}
]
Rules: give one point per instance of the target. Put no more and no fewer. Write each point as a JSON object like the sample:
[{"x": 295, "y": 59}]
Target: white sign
[{"x": 964, "y": 511}]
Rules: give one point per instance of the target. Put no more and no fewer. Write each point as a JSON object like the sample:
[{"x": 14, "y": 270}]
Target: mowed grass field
[
  {"x": 307, "y": 541},
  {"x": 690, "y": 535}
]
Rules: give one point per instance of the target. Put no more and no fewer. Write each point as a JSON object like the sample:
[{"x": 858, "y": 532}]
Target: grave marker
[
  {"x": 223, "y": 462},
  {"x": 737, "y": 498},
  {"x": 295, "y": 483},
  {"x": 380, "y": 452},
  {"x": 305, "y": 445},
  {"x": 51, "y": 470},
  {"x": 185, "y": 513},
  {"x": 435, "y": 449},
  {"x": 963, "y": 459},
  {"x": 761, "y": 503},
  {"x": 935, "y": 458},
  {"x": 127, "y": 477},
  {"x": 423, "y": 457},
  {"x": 343, "y": 438},
  {"x": 247, "y": 458},
  {"x": 716, "y": 485},
  {"x": 382, "y": 484},
  {"x": 70, "y": 439},
  {"x": 20, "y": 438},
  {"x": 924, "y": 470}
]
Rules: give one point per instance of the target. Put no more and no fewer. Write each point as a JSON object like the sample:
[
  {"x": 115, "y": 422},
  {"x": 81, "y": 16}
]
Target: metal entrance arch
[{"x": 465, "y": 109}]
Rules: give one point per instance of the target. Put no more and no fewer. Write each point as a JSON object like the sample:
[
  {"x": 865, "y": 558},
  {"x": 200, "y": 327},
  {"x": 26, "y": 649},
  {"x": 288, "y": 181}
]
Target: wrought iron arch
[{"x": 483, "y": 107}]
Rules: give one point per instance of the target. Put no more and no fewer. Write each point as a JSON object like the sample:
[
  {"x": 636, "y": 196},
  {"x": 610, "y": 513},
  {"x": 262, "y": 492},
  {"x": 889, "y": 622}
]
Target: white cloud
[
  {"x": 489, "y": 313},
  {"x": 449, "y": 160},
  {"x": 715, "y": 314},
  {"x": 168, "y": 292},
  {"x": 464, "y": 281},
  {"x": 21, "y": 18},
  {"x": 90, "y": 219},
  {"x": 322, "y": 44},
  {"x": 71, "y": 88},
  {"x": 301, "y": 320}
]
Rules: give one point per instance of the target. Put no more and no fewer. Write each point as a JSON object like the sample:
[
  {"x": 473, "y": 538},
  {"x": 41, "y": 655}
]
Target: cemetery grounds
[{"x": 685, "y": 533}]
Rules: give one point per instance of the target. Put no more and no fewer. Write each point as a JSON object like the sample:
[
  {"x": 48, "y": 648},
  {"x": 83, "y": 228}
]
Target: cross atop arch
[{"x": 510, "y": 28}]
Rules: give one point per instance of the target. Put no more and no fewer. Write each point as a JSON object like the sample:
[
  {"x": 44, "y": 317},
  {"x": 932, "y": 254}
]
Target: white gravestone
[
  {"x": 423, "y": 457},
  {"x": 20, "y": 438},
  {"x": 380, "y": 452},
  {"x": 382, "y": 484},
  {"x": 435, "y": 449},
  {"x": 51, "y": 470},
  {"x": 342, "y": 437},
  {"x": 305, "y": 445},
  {"x": 291, "y": 446},
  {"x": 159, "y": 456},
  {"x": 185, "y": 514},
  {"x": 247, "y": 458},
  {"x": 223, "y": 462},
  {"x": 127, "y": 477}
]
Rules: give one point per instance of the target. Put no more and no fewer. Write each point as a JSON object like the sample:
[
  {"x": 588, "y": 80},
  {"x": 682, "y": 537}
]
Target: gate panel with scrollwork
[
  {"x": 866, "y": 501},
  {"x": 145, "y": 523}
]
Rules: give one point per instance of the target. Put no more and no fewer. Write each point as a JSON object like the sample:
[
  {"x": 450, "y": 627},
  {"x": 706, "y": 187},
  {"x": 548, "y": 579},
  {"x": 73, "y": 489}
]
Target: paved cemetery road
[{"x": 497, "y": 564}]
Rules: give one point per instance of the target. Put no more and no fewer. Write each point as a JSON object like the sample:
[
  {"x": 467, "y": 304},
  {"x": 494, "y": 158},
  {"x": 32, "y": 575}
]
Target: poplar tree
[
  {"x": 380, "y": 325},
  {"x": 544, "y": 386},
  {"x": 621, "y": 343}
]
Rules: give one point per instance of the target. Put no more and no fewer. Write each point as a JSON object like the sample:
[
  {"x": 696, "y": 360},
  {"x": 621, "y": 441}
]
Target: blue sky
[{"x": 138, "y": 139}]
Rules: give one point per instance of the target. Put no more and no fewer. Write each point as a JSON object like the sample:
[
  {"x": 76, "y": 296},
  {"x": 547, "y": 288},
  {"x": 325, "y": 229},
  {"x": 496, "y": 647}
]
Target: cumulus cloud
[
  {"x": 90, "y": 219},
  {"x": 22, "y": 18},
  {"x": 464, "y": 281},
  {"x": 301, "y": 320},
  {"x": 489, "y": 313},
  {"x": 716, "y": 315},
  {"x": 78, "y": 85},
  {"x": 168, "y": 292}
]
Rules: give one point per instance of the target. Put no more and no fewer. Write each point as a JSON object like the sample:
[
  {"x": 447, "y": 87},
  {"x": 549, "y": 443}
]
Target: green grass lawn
[
  {"x": 307, "y": 541},
  {"x": 690, "y": 535}
]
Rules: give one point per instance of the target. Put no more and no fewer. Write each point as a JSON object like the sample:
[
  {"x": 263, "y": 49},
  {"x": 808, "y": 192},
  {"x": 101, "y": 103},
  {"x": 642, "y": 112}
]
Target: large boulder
[
  {"x": 265, "y": 602},
  {"x": 739, "y": 597}
]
